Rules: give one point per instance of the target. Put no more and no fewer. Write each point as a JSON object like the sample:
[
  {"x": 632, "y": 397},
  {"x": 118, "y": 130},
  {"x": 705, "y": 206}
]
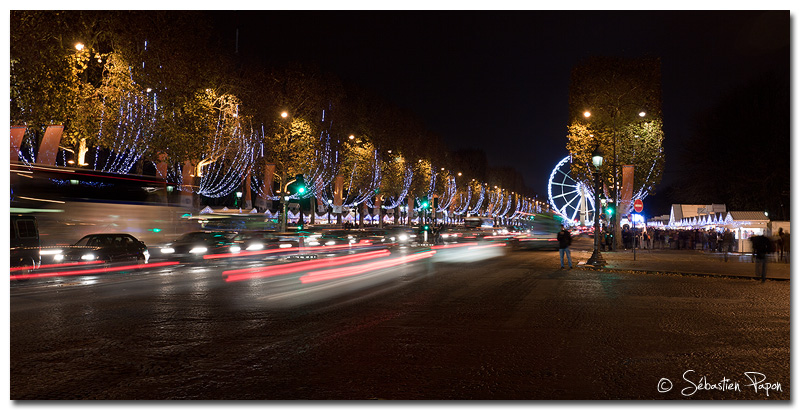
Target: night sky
[{"x": 498, "y": 80}]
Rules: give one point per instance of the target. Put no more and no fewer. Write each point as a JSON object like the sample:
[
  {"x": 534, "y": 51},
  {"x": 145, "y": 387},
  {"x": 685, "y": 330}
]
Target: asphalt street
[{"x": 504, "y": 325}]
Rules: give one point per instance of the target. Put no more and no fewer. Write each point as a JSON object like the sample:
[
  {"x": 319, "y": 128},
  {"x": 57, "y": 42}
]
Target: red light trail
[
  {"x": 275, "y": 270},
  {"x": 329, "y": 274},
  {"x": 90, "y": 271}
]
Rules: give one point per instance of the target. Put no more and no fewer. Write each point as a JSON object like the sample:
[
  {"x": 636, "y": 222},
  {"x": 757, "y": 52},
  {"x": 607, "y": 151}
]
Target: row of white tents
[{"x": 293, "y": 217}]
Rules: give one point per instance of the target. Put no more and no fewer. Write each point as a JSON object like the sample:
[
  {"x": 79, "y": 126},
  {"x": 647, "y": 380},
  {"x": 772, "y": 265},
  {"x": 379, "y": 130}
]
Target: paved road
[{"x": 510, "y": 327}]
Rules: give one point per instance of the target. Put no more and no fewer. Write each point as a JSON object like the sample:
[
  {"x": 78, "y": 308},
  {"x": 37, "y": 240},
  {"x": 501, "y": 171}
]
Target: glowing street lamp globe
[{"x": 597, "y": 158}]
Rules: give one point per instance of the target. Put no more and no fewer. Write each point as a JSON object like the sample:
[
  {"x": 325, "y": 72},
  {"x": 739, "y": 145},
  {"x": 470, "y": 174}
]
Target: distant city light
[
  {"x": 587, "y": 114},
  {"x": 284, "y": 114},
  {"x": 79, "y": 46},
  {"x": 642, "y": 114}
]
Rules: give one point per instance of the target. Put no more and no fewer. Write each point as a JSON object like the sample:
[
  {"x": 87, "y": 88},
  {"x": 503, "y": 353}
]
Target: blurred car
[
  {"x": 193, "y": 245},
  {"x": 331, "y": 237},
  {"x": 106, "y": 247},
  {"x": 250, "y": 241},
  {"x": 450, "y": 235},
  {"x": 389, "y": 236}
]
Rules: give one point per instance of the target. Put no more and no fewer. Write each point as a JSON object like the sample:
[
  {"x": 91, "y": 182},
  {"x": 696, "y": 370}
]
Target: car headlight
[
  {"x": 312, "y": 243},
  {"x": 329, "y": 243},
  {"x": 88, "y": 257},
  {"x": 58, "y": 257},
  {"x": 199, "y": 249},
  {"x": 49, "y": 251},
  {"x": 236, "y": 248},
  {"x": 285, "y": 245},
  {"x": 444, "y": 235},
  {"x": 255, "y": 247},
  {"x": 402, "y": 238},
  {"x": 167, "y": 250}
]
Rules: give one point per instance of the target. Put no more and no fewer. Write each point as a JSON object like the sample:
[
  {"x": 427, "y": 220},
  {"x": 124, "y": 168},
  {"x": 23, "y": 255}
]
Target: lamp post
[
  {"x": 597, "y": 258},
  {"x": 284, "y": 198}
]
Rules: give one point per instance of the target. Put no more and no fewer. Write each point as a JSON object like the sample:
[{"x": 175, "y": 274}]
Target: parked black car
[
  {"x": 193, "y": 245},
  {"x": 106, "y": 247}
]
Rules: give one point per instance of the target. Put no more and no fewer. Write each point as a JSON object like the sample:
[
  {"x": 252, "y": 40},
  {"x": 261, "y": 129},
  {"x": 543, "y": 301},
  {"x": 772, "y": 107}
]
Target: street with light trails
[{"x": 410, "y": 324}]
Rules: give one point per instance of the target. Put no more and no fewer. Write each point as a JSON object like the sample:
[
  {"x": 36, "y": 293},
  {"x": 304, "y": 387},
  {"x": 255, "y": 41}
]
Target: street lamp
[
  {"x": 597, "y": 258},
  {"x": 284, "y": 198}
]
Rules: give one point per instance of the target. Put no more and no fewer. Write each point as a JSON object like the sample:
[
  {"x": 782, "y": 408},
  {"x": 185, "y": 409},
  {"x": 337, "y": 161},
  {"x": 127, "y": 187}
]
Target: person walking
[
  {"x": 564, "y": 241},
  {"x": 761, "y": 246}
]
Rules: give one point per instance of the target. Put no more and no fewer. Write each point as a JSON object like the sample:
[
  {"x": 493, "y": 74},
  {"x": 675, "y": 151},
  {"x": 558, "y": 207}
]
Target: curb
[{"x": 662, "y": 272}]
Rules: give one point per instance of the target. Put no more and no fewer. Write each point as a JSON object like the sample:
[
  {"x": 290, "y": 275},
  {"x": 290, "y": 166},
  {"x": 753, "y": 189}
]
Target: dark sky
[{"x": 499, "y": 80}]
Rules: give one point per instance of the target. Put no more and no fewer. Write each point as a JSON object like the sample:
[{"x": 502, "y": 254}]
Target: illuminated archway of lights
[{"x": 565, "y": 193}]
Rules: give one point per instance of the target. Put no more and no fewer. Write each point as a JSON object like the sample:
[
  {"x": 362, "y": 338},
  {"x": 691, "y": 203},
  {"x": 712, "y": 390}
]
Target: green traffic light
[
  {"x": 610, "y": 211},
  {"x": 426, "y": 227},
  {"x": 424, "y": 204},
  {"x": 301, "y": 189}
]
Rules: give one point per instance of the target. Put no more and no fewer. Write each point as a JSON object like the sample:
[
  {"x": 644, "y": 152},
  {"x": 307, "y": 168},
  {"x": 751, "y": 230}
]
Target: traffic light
[
  {"x": 436, "y": 202},
  {"x": 298, "y": 186},
  {"x": 425, "y": 203},
  {"x": 426, "y": 227},
  {"x": 610, "y": 210}
]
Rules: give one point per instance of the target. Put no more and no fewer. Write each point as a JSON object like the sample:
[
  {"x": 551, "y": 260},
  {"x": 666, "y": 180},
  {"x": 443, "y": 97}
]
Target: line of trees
[{"x": 132, "y": 88}]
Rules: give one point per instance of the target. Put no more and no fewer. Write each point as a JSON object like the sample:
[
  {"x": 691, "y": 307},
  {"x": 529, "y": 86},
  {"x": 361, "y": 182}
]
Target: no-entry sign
[{"x": 638, "y": 205}]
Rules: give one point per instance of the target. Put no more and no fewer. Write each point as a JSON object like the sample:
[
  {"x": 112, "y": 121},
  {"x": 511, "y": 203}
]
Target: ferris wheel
[{"x": 569, "y": 198}]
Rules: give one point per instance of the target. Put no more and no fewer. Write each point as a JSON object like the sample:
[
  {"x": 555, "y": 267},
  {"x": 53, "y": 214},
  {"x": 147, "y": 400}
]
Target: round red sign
[{"x": 638, "y": 205}]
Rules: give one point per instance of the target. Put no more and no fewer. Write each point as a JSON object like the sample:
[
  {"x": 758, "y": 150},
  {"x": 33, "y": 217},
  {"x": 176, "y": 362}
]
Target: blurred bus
[
  {"x": 24, "y": 241},
  {"x": 69, "y": 203}
]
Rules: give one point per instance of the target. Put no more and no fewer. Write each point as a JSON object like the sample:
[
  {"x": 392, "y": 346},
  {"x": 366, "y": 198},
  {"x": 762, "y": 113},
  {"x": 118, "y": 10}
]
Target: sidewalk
[{"x": 685, "y": 262}]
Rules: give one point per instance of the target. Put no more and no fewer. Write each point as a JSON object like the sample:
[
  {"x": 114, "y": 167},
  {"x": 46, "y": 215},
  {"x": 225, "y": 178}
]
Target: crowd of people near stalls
[{"x": 710, "y": 240}]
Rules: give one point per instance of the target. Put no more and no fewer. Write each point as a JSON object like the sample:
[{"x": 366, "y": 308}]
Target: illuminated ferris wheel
[{"x": 569, "y": 198}]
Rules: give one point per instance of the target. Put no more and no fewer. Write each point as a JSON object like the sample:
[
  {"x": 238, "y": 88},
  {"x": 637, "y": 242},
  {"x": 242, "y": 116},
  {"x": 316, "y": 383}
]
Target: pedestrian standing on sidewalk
[
  {"x": 564, "y": 241},
  {"x": 727, "y": 242},
  {"x": 761, "y": 246}
]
